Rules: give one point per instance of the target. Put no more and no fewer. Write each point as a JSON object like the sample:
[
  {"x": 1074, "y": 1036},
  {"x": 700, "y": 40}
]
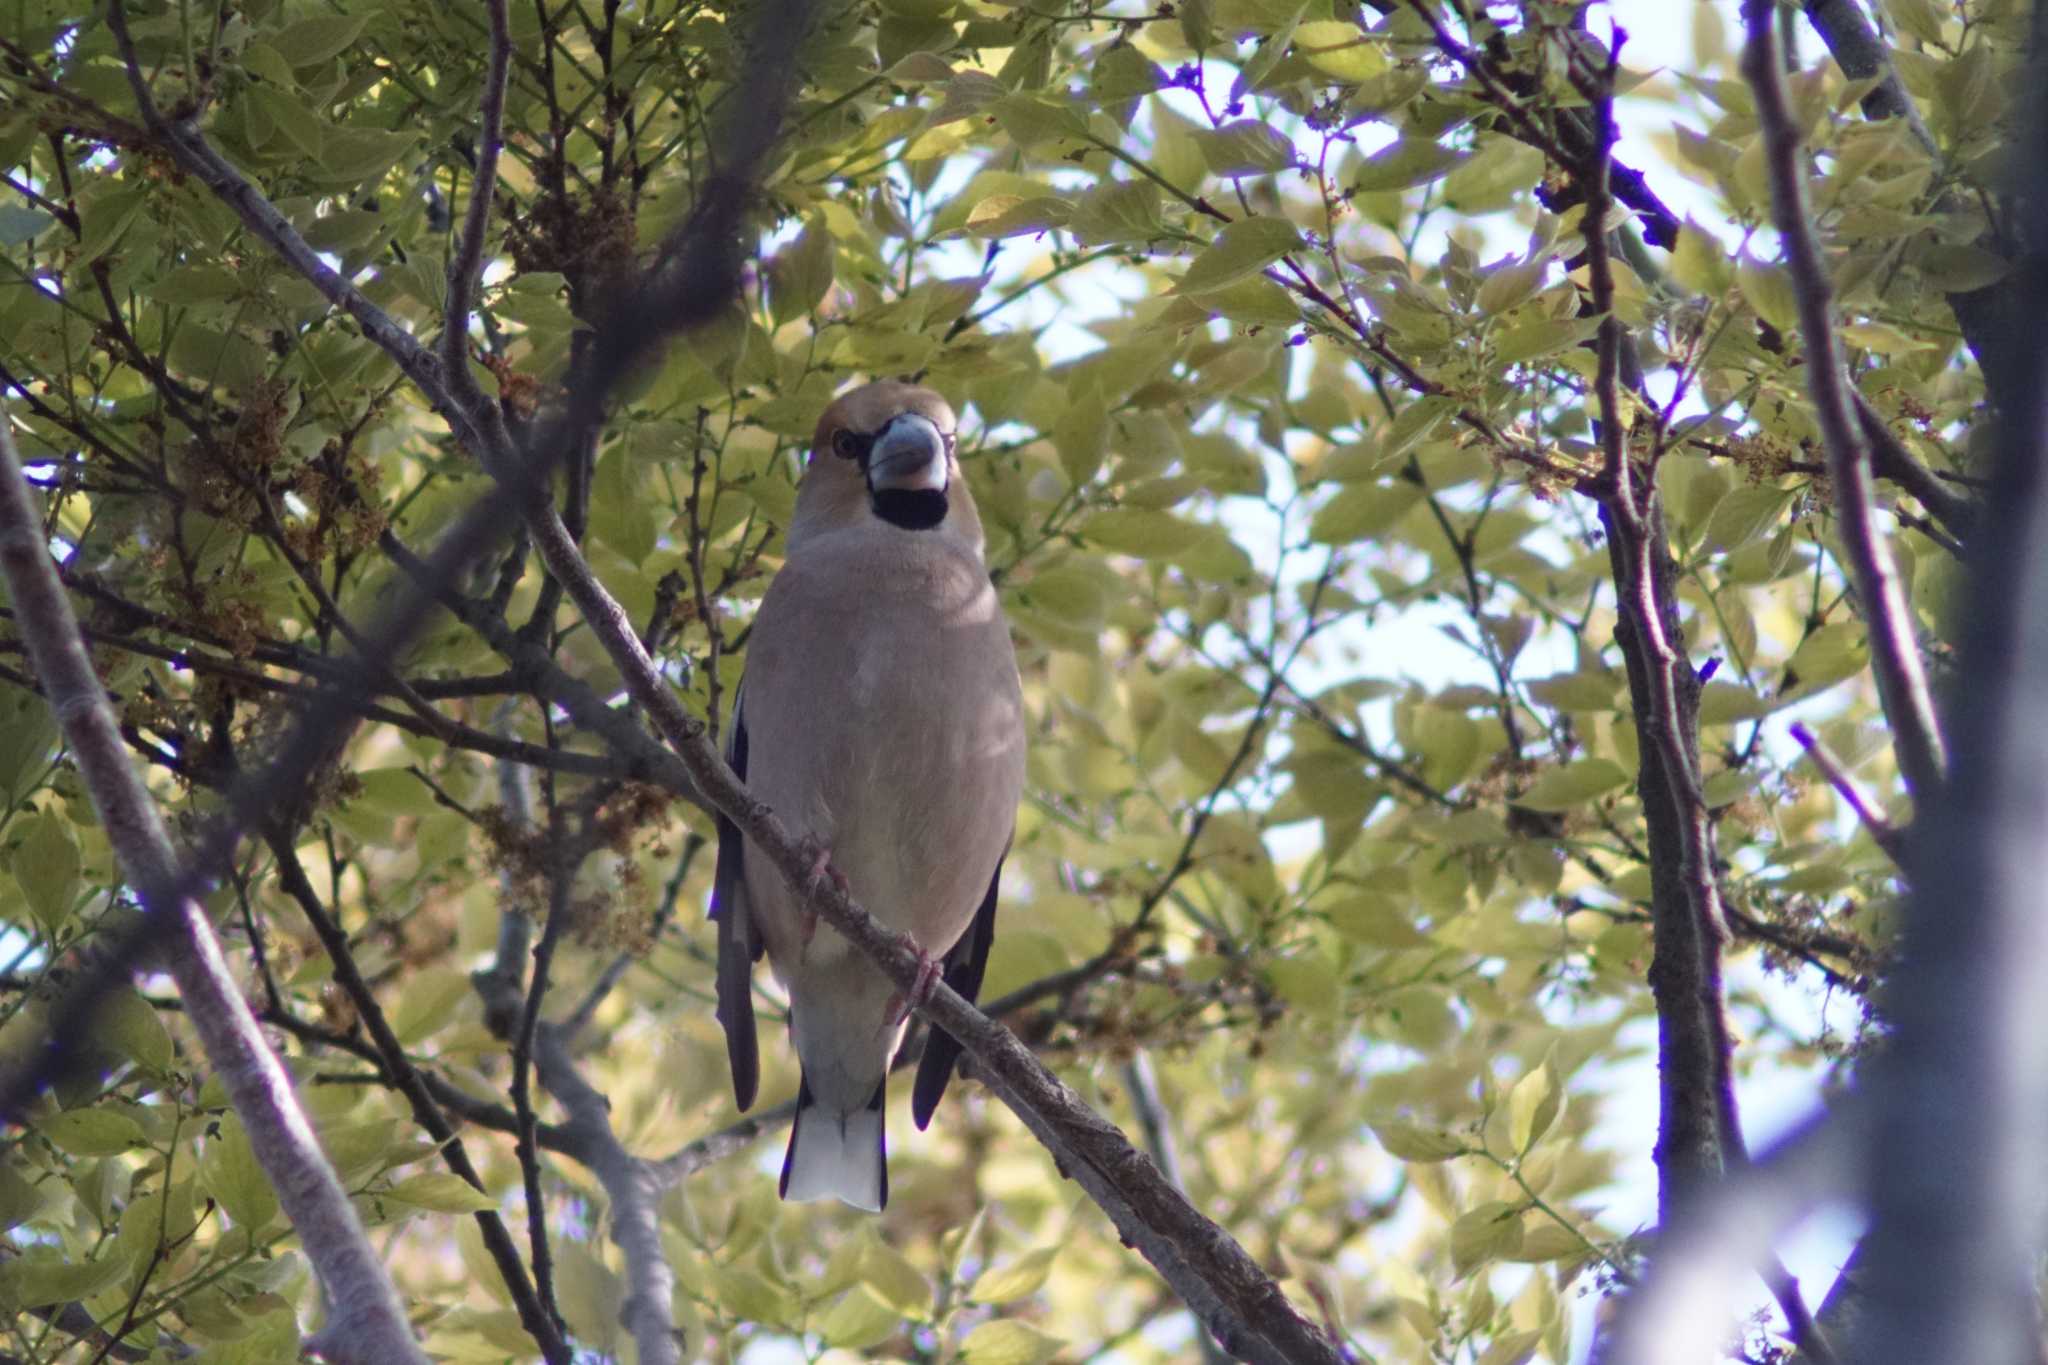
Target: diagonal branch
[
  {"x": 1894, "y": 653},
  {"x": 366, "y": 1319}
]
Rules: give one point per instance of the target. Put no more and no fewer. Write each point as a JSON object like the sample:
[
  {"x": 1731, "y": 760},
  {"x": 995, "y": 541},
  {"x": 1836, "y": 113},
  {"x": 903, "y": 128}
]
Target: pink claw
[
  {"x": 928, "y": 975},
  {"x": 821, "y": 868}
]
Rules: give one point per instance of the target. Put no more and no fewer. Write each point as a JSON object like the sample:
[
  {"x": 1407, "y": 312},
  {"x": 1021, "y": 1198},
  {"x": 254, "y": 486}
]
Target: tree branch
[
  {"x": 367, "y": 1319},
  {"x": 391, "y": 1055},
  {"x": 1894, "y": 652},
  {"x": 467, "y": 263}
]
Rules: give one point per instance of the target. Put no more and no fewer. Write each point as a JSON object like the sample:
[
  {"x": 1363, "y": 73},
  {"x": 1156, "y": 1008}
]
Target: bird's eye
[{"x": 846, "y": 445}]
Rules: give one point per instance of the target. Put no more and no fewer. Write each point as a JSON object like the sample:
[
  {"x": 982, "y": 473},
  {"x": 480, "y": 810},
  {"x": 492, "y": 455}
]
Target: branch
[
  {"x": 1889, "y": 459},
  {"x": 1234, "y": 1298},
  {"x": 1157, "y": 1126},
  {"x": 1881, "y": 830},
  {"x": 1894, "y": 653},
  {"x": 1860, "y": 50},
  {"x": 391, "y": 1056},
  {"x": 1679, "y": 1316},
  {"x": 634, "y": 1186},
  {"x": 366, "y": 1319},
  {"x": 467, "y": 263},
  {"x": 1957, "y": 1194}
]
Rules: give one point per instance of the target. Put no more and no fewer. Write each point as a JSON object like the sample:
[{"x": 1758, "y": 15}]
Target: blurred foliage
[{"x": 1269, "y": 336}]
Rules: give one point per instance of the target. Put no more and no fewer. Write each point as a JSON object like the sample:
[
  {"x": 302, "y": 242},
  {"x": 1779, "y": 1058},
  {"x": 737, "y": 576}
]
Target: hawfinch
[{"x": 881, "y": 718}]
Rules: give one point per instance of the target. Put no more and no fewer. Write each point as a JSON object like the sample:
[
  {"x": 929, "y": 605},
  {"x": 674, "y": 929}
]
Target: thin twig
[
  {"x": 1882, "y": 832},
  {"x": 467, "y": 263},
  {"x": 1894, "y": 652}
]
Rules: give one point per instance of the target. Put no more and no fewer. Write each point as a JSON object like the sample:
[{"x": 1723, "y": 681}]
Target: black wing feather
[
  {"x": 739, "y": 944},
  {"x": 966, "y": 964}
]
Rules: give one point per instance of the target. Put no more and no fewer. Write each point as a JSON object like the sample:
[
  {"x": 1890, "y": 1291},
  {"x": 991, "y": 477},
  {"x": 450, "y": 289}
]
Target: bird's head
[{"x": 884, "y": 451}]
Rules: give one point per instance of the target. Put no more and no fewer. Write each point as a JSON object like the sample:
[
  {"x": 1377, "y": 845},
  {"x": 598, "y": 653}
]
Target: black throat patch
[{"x": 912, "y": 509}]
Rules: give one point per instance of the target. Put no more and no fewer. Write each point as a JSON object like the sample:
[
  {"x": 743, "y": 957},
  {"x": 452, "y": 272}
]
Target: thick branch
[
  {"x": 1894, "y": 653},
  {"x": 366, "y": 1319}
]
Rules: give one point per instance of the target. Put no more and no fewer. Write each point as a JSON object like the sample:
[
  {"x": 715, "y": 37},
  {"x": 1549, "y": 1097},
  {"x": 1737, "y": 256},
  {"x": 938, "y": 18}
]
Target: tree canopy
[{"x": 1486, "y": 600}]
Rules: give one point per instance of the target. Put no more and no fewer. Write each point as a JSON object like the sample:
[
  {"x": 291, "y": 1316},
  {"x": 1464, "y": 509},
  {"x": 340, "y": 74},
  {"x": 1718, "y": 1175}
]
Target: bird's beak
[{"x": 909, "y": 456}]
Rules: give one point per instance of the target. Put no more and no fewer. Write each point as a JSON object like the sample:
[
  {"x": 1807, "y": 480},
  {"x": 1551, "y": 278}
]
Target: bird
[{"x": 880, "y": 715}]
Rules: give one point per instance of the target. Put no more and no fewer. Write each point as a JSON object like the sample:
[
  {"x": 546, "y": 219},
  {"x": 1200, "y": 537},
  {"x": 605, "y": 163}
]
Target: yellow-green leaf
[
  {"x": 1574, "y": 784},
  {"x": 1005, "y": 1341},
  {"x": 1242, "y": 249},
  {"x": 1019, "y": 1279}
]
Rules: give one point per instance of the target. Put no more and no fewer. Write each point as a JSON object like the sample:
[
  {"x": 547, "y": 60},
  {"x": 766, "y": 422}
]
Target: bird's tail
[{"x": 835, "y": 1155}]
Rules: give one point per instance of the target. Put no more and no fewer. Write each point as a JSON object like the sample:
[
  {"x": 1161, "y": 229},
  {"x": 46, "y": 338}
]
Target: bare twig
[
  {"x": 1157, "y": 1126},
  {"x": 467, "y": 263},
  {"x": 1882, "y": 831},
  {"x": 1894, "y": 652},
  {"x": 366, "y": 1317}
]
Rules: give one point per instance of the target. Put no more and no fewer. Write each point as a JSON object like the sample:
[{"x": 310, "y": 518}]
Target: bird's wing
[
  {"x": 965, "y": 966},
  {"x": 739, "y": 941}
]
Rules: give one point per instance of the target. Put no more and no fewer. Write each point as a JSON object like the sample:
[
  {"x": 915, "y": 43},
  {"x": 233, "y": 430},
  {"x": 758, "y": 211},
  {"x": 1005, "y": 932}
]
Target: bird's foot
[
  {"x": 820, "y": 854},
  {"x": 928, "y": 975}
]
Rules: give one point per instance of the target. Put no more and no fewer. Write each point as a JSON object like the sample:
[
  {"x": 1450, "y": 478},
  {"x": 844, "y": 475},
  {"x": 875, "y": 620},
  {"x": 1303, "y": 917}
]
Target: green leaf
[
  {"x": 199, "y": 282},
  {"x": 45, "y": 1275},
  {"x": 1830, "y": 654},
  {"x": 1308, "y": 980},
  {"x": 300, "y": 125},
  {"x": 1723, "y": 703},
  {"x": 1009, "y": 215},
  {"x": 1745, "y": 514},
  {"x": 1499, "y": 175},
  {"x": 1082, "y": 437},
  {"x": 1414, "y": 1142},
  {"x": 1533, "y": 1105},
  {"x": 1592, "y": 689},
  {"x": 1019, "y": 1279},
  {"x": 1958, "y": 267},
  {"x": 431, "y": 998},
  {"x": 1005, "y": 1341},
  {"x": 228, "y": 1170},
  {"x": 46, "y": 867},
  {"x": 1339, "y": 50},
  {"x": 261, "y": 59},
  {"x": 1574, "y": 784},
  {"x": 858, "y": 1321},
  {"x": 1117, "y": 211},
  {"x": 320, "y": 38},
  {"x": 105, "y": 217},
  {"x": 1768, "y": 289},
  {"x": 1699, "y": 262},
  {"x": 1407, "y": 163},
  {"x": 1362, "y": 510},
  {"x": 1139, "y": 532},
  {"x": 1242, "y": 249},
  {"x": 1246, "y": 147},
  {"x": 896, "y": 1281},
  {"x": 1544, "y": 337},
  {"x": 1031, "y": 120},
  {"x": 1509, "y": 285},
  {"x": 20, "y": 225},
  {"x": 1375, "y": 921},
  {"x": 91, "y": 1132},
  {"x": 1490, "y": 1232},
  {"x": 130, "y": 1024},
  {"x": 440, "y": 1192}
]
